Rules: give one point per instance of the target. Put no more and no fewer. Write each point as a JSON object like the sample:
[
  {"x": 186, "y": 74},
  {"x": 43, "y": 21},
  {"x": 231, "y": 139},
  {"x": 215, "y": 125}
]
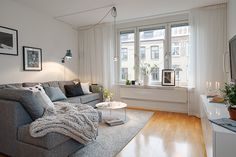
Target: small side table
[{"x": 113, "y": 105}]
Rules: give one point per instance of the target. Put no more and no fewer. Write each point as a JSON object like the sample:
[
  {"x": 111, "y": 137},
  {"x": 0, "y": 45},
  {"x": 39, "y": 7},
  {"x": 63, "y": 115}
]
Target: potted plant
[
  {"x": 107, "y": 95},
  {"x": 146, "y": 70},
  {"x": 229, "y": 93}
]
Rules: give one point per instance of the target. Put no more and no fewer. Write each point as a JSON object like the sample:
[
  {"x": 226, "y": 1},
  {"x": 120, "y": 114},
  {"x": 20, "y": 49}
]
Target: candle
[{"x": 209, "y": 84}]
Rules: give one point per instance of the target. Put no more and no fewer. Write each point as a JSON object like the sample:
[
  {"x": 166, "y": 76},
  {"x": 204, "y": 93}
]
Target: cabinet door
[
  {"x": 207, "y": 131},
  {"x": 225, "y": 145}
]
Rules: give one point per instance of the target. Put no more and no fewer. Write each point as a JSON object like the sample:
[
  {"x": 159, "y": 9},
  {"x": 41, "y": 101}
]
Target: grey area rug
[{"x": 111, "y": 140}]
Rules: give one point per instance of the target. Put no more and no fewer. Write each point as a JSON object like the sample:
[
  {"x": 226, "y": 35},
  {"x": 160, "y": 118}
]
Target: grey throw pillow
[
  {"x": 29, "y": 100},
  {"x": 54, "y": 93}
]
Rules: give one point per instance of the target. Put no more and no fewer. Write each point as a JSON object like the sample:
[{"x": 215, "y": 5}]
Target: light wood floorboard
[{"x": 167, "y": 135}]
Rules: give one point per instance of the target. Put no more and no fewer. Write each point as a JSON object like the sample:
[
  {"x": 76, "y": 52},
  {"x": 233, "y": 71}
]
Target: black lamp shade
[{"x": 67, "y": 56}]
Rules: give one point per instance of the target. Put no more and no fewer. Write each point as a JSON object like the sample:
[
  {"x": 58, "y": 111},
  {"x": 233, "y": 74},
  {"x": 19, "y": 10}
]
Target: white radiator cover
[{"x": 173, "y": 99}]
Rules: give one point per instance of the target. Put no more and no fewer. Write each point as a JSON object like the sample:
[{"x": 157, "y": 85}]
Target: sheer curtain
[
  {"x": 207, "y": 47},
  {"x": 96, "y": 52}
]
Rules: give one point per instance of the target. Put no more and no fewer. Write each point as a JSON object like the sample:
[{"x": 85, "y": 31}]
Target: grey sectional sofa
[{"x": 15, "y": 139}]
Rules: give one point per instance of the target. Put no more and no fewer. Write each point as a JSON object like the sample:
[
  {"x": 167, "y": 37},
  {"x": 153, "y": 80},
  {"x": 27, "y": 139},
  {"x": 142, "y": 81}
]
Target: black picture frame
[
  {"x": 168, "y": 77},
  {"x": 8, "y": 41},
  {"x": 32, "y": 58}
]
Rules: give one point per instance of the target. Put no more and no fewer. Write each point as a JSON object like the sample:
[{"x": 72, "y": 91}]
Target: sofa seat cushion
[
  {"x": 73, "y": 100},
  {"x": 48, "y": 141},
  {"x": 89, "y": 97}
]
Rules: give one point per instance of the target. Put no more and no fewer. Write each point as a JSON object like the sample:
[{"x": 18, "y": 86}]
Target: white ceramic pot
[{"x": 145, "y": 80}]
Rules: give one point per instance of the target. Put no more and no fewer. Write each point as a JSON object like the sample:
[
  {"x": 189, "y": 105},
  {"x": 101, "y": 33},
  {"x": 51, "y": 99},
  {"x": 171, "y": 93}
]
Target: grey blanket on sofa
[{"x": 78, "y": 121}]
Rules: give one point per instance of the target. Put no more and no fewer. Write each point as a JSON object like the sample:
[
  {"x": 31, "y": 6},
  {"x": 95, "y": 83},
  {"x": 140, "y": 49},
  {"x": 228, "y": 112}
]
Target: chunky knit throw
[{"x": 78, "y": 121}]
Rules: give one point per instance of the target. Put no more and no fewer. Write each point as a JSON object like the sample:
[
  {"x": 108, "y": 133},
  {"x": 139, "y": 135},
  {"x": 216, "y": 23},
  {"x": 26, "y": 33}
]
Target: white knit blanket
[{"x": 78, "y": 121}]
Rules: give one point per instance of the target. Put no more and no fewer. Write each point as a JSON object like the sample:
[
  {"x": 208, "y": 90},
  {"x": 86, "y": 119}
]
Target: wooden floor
[{"x": 167, "y": 135}]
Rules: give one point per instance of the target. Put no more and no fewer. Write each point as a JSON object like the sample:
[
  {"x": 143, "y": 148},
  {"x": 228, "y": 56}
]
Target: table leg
[{"x": 125, "y": 113}]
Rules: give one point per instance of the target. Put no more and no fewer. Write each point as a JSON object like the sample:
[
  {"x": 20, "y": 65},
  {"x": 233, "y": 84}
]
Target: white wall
[
  {"x": 37, "y": 30},
  {"x": 231, "y": 18}
]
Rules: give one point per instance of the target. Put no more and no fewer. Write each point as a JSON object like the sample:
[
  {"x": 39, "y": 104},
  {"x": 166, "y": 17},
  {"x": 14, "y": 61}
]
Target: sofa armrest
[{"x": 12, "y": 115}]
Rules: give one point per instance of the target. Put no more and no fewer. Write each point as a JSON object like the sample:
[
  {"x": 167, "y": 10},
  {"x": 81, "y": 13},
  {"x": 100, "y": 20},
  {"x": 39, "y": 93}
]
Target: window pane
[
  {"x": 124, "y": 54},
  {"x": 179, "y": 50},
  {"x": 127, "y": 55},
  {"x": 142, "y": 53},
  {"x": 152, "y": 45},
  {"x": 156, "y": 74}
]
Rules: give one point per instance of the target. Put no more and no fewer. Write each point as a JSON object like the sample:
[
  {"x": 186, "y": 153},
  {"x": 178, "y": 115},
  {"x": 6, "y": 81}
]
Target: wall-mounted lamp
[{"x": 68, "y": 55}]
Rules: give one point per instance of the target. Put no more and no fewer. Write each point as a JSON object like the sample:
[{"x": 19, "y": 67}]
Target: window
[
  {"x": 127, "y": 61},
  {"x": 154, "y": 52},
  {"x": 156, "y": 74},
  {"x": 123, "y": 37},
  {"x": 175, "y": 49},
  {"x": 154, "y": 46},
  {"x": 142, "y": 53},
  {"x": 124, "y": 73},
  {"x": 177, "y": 71},
  {"x": 124, "y": 54},
  {"x": 148, "y": 34},
  {"x": 179, "y": 47}
]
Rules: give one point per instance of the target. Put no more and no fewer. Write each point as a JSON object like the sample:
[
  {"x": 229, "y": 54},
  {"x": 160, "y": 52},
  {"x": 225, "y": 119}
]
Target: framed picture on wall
[
  {"x": 32, "y": 58},
  {"x": 168, "y": 77},
  {"x": 8, "y": 41}
]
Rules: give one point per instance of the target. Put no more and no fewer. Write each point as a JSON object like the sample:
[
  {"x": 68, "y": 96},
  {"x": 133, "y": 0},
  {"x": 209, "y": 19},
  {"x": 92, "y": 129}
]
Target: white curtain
[
  {"x": 96, "y": 52},
  {"x": 207, "y": 47}
]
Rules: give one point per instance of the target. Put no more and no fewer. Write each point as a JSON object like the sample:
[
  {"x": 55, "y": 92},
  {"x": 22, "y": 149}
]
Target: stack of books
[{"x": 114, "y": 122}]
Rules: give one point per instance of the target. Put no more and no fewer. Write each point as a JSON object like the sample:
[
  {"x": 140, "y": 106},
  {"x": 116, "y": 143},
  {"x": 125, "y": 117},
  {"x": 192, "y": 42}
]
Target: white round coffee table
[{"x": 113, "y": 105}]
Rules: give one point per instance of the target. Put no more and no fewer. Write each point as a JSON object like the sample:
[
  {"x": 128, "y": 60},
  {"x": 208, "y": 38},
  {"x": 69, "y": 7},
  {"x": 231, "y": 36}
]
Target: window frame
[
  {"x": 118, "y": 32},
  {"x": 167, "y": 56}
]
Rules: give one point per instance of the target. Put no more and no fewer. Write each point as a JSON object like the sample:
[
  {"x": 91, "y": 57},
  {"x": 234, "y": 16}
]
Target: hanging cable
[{"x": 113, "y": 14}]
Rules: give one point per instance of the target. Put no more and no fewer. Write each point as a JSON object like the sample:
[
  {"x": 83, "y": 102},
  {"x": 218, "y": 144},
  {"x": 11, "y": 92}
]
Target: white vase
[{"x": 145, "y": 80}]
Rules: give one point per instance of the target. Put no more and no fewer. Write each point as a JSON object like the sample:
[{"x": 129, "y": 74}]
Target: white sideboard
[{"x": 219, "y": 142}]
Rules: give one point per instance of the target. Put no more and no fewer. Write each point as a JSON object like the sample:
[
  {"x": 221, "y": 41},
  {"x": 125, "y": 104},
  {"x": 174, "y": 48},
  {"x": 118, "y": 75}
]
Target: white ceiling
[{"x": 86, "y": 12}]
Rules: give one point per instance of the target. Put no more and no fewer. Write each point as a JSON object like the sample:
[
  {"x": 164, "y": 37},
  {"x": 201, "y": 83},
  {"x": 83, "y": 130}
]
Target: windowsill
[{"x": 153, "y": 86}]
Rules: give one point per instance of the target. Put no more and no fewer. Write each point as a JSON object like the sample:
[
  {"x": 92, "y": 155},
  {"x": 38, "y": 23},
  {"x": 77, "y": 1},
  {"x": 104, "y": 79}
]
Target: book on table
[{"x": 114, "y": 121}]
